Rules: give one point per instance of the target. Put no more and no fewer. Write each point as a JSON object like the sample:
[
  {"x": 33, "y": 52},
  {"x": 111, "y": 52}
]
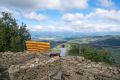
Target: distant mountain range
[
  {"x": 112, "y": 42},
  {"x": 62, "y": 35}
]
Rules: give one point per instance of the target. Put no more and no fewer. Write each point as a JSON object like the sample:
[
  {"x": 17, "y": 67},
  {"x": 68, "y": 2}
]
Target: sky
[{"x": 65, "y": 15}]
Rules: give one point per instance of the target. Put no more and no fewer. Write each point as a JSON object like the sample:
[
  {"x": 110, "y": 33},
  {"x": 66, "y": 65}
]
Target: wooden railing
[{"x": 33, "y": 46}]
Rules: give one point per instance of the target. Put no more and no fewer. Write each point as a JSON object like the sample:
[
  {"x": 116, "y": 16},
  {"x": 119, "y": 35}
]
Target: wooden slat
[
  {"x": 37, "y": 46},
  {"x": 33, "y": 46},
  {"x": 32, "y": 42}
]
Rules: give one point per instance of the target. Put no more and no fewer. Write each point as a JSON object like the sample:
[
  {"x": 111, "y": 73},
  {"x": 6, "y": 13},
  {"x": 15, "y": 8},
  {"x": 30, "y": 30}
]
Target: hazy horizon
[{"x": 60, "y": 35}]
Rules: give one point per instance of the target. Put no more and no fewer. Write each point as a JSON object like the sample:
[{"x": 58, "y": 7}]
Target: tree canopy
[
  {"x": 89, "y": 52},
  {"x": 12, "y": 35}
]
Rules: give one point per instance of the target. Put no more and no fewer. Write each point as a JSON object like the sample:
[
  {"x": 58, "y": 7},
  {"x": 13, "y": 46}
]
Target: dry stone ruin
[{"x": 26, "y": 66}]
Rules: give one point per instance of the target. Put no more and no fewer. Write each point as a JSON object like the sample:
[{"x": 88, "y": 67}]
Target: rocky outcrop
[
  {"x": 78, "y": 68},
  {"x": 35, "y": 69},
  {"x": 42, "y": 67},
  {"x": 11, "y": 58},
  {"x": 4, "y": 75}
]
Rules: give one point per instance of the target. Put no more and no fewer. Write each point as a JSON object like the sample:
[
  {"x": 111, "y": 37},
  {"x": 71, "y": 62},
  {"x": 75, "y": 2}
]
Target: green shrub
[
  {"x": 74, "y": 49},
  {"x": 91, "y": 53}
]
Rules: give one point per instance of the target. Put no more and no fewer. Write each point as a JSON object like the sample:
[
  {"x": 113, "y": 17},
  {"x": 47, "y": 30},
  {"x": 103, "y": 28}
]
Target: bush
[
  {"x": 91, "y": 53},
  {"x": 74, "y": 49}
]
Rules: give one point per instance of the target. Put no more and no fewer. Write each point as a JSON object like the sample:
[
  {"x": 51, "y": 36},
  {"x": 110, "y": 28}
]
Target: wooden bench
[{"x": 42, "y": 47}]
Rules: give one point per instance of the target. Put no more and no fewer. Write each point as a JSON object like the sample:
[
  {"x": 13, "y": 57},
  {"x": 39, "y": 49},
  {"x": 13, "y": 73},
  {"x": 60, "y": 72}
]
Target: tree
[
  {"x": 91, "y": 53},
  {"x": 74, "y": 49},
  {"x": 12, "y": 36}
]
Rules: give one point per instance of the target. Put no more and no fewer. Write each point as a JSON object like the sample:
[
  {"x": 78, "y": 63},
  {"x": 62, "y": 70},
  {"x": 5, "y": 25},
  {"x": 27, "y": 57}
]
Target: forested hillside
[{"x": 95, "y": 47}]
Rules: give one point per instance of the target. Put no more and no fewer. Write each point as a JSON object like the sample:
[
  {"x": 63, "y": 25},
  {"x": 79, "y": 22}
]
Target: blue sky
[{"x": 66, "y": 15}]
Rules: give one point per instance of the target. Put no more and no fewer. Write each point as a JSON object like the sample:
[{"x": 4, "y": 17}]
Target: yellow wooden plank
[
  {"x": 33, "y": 46},
  {"x": 33, "y": 42}
]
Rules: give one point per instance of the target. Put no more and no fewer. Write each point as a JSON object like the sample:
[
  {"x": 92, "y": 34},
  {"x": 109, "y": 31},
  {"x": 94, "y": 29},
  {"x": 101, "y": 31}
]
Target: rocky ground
[{"x": 27, "y": 66}]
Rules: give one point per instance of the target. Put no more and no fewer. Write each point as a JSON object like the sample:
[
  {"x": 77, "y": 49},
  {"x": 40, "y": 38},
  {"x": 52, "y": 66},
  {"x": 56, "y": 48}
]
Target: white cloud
[
  {"x": 74, "y": 4},
  {"x": 106, "y": 3},
  {"x": 72, "y": 17},
  {"x": 79, "y": 27},
  {"x": 102, "y": 14},
  {"x": 35, "y": 16},
  {"x": 23, "y": 8},
  {"x": 98, "y": 20},
  {"x": 16, "y": 14},
  {"x": 96, "y": 15},
  {"x": 91, "y": 27},
  {"x": 50, "y": 28},
  {"x": 46, "y": 4}
]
